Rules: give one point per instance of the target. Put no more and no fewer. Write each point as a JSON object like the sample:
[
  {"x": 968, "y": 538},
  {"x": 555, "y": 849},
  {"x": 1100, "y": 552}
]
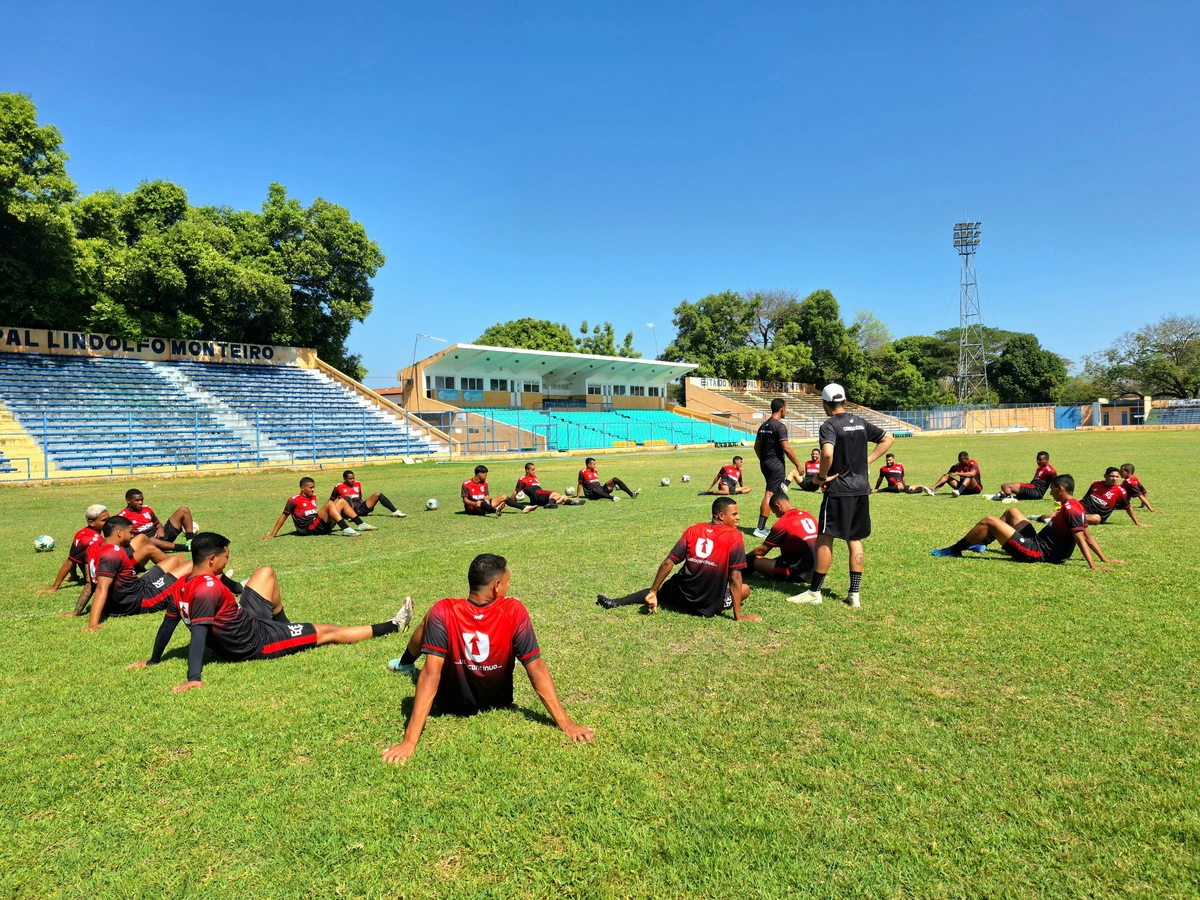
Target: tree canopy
[
  {"x": 148, "y": 263},
  {"x": 1160, "y": 358},
  {"x": 542, "y": 334}
]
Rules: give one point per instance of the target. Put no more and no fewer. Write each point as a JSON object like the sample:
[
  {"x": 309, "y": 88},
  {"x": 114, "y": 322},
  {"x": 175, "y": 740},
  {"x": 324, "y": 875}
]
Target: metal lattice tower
[{"x": 972, "y": 365}]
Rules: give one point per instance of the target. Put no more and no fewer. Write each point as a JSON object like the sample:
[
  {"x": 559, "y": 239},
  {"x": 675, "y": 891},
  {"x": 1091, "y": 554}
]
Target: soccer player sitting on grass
[
  {"x": 96, "y": 515},
  {"x": 471, "y": 648},
  {"x": 476, "y": 499},
  {"x": 536, "y": 495},
  {"x": 811, "y": 467},
  {"x": 963, "y": 477},
  {"x": 795, "y": 534},
  {"x": 713, "y": 556},
  {"x": 1053, "y": 544},
  {"x": 1105, "y": 497},
  {"x": 589, "y": 483},
  {"x": 729, "y": 480},
  {"x": 351, "y": 491},
  {"x": 118, "y": 590},
  {"x": 1035, "y": 488},
  {"x": 1134, "y": 488},
  {"x": 312, "y": 519},
  {"x": 893, "y": 473},
  {"x": 252, "y": 627},
  {"x": 161, "y": 534}
]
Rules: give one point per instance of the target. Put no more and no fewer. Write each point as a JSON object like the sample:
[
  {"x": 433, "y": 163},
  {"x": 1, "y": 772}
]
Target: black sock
[
  {"x": 179, "y": 548},
  {"x": 384, "y": 628},
  {"x": 407, "y": 659},
  {"x": 357, "y": 520},
  {"x": 762, "y": 522},
  {"x": 281, "y": 616},
  {"x": 387, "y": 504},
  {"x": 233, "y": 586},
  {"x": 818, "y": 581},
  {"x": 855, "y": 582},
  {"x": 342, "y": 524},
  {"x": 628, "y": 600},
  {"x": 621, "y": 485},
  {"x": 189, "y": 534},
  {"x": 960, "y": 546}
]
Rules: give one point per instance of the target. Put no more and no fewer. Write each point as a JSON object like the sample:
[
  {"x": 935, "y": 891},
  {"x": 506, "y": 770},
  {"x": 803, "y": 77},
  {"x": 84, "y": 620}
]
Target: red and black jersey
[
  {"x": 587, "y": 476},
  {"x": 709, "y": 553},
  {"x": 125, "y": 589},
  {"x": 795, "y": 534},
  {"x": 1101, "y": 499},
  {"x": 83, "y": 539},
  {"x": 144, "y": 520},
  {"x": 1133, "y": 487},
  {"x": 1043, "y": 476},
  {"x": 303, "y": 511},
  {"x": 731, "y": 476},
  {"x": 812, "y": 467},
  {"x": 966, "y": 468},
  {"x": 233, "y": 635},
  {"x": 351, "y": 493},
  {"x": 529, "y": 484},
  {"x": 473, "y": 491},
  {"x": 1057, "y": 539},
  {"x": 481, "y": 646},
  {"x": 893, "y": 473}
]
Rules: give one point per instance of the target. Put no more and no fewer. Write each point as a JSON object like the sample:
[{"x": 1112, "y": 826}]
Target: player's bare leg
[
  {"x": 178, "y": 566},
  {"x": 144, "y": 550},
  {"x": 334, "y": 511},
  {"x": 986, "y": 530},
  {"x": 1010, "y": 490},
  {"x": 944, "y": 480},
  {"x": 182, "y": 519},
  {"x": 857, "y": 559},
  {"x": 265, "y": 583},
  {"x": 967, "y": 483}
]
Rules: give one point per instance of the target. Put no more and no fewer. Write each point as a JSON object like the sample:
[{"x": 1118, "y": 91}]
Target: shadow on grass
[{"x": 538, "y": 716}]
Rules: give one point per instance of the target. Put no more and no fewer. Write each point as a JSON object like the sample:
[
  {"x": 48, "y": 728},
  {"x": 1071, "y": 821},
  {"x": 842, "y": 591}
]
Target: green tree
[
  {"x": 773, "y": 309},
  {"x": 835, "y": 354},
  {"x": 870, "y": 332},
  {"x": 1028, "y": 373},
  {"x": 530, "y": 334},
  {"x": 36, "y": 243},
  {"x": 710, "y": 329},
  {"x": 1160, "y": 358},
  {"x": 602, "y": 342}
]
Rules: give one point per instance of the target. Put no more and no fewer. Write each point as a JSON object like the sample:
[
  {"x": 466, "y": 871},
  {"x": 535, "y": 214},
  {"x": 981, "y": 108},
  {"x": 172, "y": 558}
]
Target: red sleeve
[
  {"x": 205, "y": 601},
  {"x": 737, "y": 554},
  {"x": 436, "y": 639},
  {"x": 465, "y": 493},
  {"x": 1075, "y": 517},
  {"x": 289, "y": 508},
  {"x": 774, "y": 539},
  {"x": 679, "y": 552},
  {"x": 525, "y": 645},
  {"x": 112, "y": 561}
]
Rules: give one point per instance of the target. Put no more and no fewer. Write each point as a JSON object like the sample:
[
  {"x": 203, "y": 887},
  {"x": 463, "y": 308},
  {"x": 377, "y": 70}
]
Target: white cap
[
  {"x": 94, "y": 510},
  {"x": 833, "y": 393}
]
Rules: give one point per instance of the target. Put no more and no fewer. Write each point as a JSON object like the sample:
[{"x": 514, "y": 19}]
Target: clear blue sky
[{"x": 605, "y": 161}]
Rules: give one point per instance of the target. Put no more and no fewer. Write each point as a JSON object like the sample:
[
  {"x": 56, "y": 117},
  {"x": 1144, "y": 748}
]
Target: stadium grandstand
[{"x": 89, "y": 404}]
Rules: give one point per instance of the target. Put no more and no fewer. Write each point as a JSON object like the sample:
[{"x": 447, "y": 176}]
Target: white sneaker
[
  {"x": 616, "y": 498},
  {"x": 404, "y": 617},
  {"x": 852, "y": 601},
  {"x": 997, "y": 497},
  {"x": 955, "y": 492},
  {"x": 349, "y": 532},
  {"x": 367, "y": 526},
  {"x": 1009, "y": 500},
  {"x": 928, "y": 490},
  {"x": 810, "y": 597},
  {"x": 638, "y": 491},
  {"x": 397, "y": 515},
  {"x": 761, "y": 533},
  {"x": 530, "y": 508}
]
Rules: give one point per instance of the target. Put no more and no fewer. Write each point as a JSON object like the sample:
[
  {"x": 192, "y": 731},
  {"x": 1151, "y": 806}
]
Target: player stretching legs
[
  {"x": 963, "y": 477},
  {"x": 1054, "y": 544},
  {"x": 893, "y": 473},
  {"x": 311, "y": 519},
  {"x": 795, "y": 534},
  {"x": 811, "y": 467},
  {"x": 255, "y": 627},
  {"x": 96, "y": 515},
  {"x": 729, "y": 480},
  {"x": 476, "y": 499},
  {"x": 771, "y": 445},
  {"x": 471, "y": 647},
  {"x": 1134, "y": 488},
  {"x": 589, "y": 485},
  {"x": 1105, "y": 497},
  {"x": 351, "y": 491},
  {"x": 713, "y": 556},
  {"x": 161, "y": 534},
  {"x": 537, "y": 496},
  {"x": 1035, "y": 489}
]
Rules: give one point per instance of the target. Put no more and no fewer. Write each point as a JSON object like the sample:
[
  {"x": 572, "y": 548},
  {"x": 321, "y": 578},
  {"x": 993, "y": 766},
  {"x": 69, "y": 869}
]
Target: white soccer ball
[
  {"x": 685, "y": 478},
  {"x": 570, "y": 492},
  {"x": 43, "y": 543},
  {"x": 520, "y": 497},
  {"x": 431, "y": 503},
  {"x": 665, "y": 482}
]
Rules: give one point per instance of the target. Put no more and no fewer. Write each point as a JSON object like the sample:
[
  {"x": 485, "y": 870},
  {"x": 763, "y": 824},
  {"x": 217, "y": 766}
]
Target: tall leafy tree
[
  {"x": 870, "y": 331},
  {"x": 1028, "y": 373},
  {"x": 710, "y": 329},
  {"x": 36, "y": 241},
  {"x": 1159, "y": 358},
  {"x": 601, "y": 341},
  {"x": 530, "y": 334}
]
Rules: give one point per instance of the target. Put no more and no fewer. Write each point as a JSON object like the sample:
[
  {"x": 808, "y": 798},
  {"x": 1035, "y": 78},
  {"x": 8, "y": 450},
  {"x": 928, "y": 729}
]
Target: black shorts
[
  {"x": 276, "y": 638},
  {"x": 775, "y": 474},
  {"x": 969, "y": 491},
  {"x": 360, "y": 507},
  {"x": 153, "y": 590},
  {"x": 541, "y": 498},
  {"x": 1024, "y": 546},
  {"x": 785, "y": 571},
  {"x": 893, "y": 488},
  {"x": 1031, "y": 492},
  {"x": 594, "y": 490},
  {"x": 848, "y": 518},
  {"x": 484, "y": 509},
  {"x": 730, "y": 485},
  {"x": 671, "y": 597},
  {"x": 1104, "y": 516},
  {"x": 316, "y": 528},
  {"x": 809, "y": 484},
  {"x": 170, "y": 532}
]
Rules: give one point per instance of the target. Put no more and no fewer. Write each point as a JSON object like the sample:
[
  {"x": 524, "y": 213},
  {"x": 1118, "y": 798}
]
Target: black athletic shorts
[
  {"x": 360, "y": 507},
  {"x": 671, "y": 597},
  {"x": 730, "y": 485},
  {"x": 170, "y": 532},
  {"x": 775, "y": 474},
  {"x": 317, "y": 528},
  {"x": 153, "y": 590},
  {"x": 1104, "y": 516},
  {"x": 541, "y": 498},
  {"x": 594, "y": 490},
  {"x": 276, "y": 638},
  {"x": 484, "y": 509},
  {"x": 809, "y": 484},
  {"x": 891, "y": 488},
  {"x": 1031, "y": 492},
  {"x": 848, "y": 518},
  {"x": 1024, "y": 546},
  {"x": 970, "y": 491}
]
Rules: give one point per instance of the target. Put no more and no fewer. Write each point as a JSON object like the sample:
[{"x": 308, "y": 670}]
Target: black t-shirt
[
  {"x": 771, "y": 435},
  {"x": 849, "y": 435}
]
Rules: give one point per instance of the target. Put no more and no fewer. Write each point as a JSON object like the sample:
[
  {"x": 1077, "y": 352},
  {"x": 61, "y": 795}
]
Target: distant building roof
[{"x": 552, "y": 366}]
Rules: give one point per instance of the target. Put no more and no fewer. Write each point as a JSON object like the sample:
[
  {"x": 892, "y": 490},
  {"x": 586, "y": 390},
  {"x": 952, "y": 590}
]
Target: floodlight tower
[{"x": 972, "y": 364}]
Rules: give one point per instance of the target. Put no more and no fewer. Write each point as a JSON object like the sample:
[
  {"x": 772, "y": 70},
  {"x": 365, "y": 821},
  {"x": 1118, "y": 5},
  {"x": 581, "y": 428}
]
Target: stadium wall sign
[{"x": 83, "y": 343}]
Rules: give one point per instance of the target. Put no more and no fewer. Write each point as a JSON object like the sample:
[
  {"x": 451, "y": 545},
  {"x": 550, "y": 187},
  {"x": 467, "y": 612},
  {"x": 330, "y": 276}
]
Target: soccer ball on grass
[
  {"x": 43, "y": 543},
  {"x": 685, "y": 478},
  {"x": 520, "y": 497},
  {"x": 570, "y": 492},
  {"x": 431, "y": 504},
  {"x": 665, "y": 482}
]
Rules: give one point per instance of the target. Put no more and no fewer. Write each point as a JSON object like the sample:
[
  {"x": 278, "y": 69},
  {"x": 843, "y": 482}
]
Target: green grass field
[{"x": 979, "y": 728}]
